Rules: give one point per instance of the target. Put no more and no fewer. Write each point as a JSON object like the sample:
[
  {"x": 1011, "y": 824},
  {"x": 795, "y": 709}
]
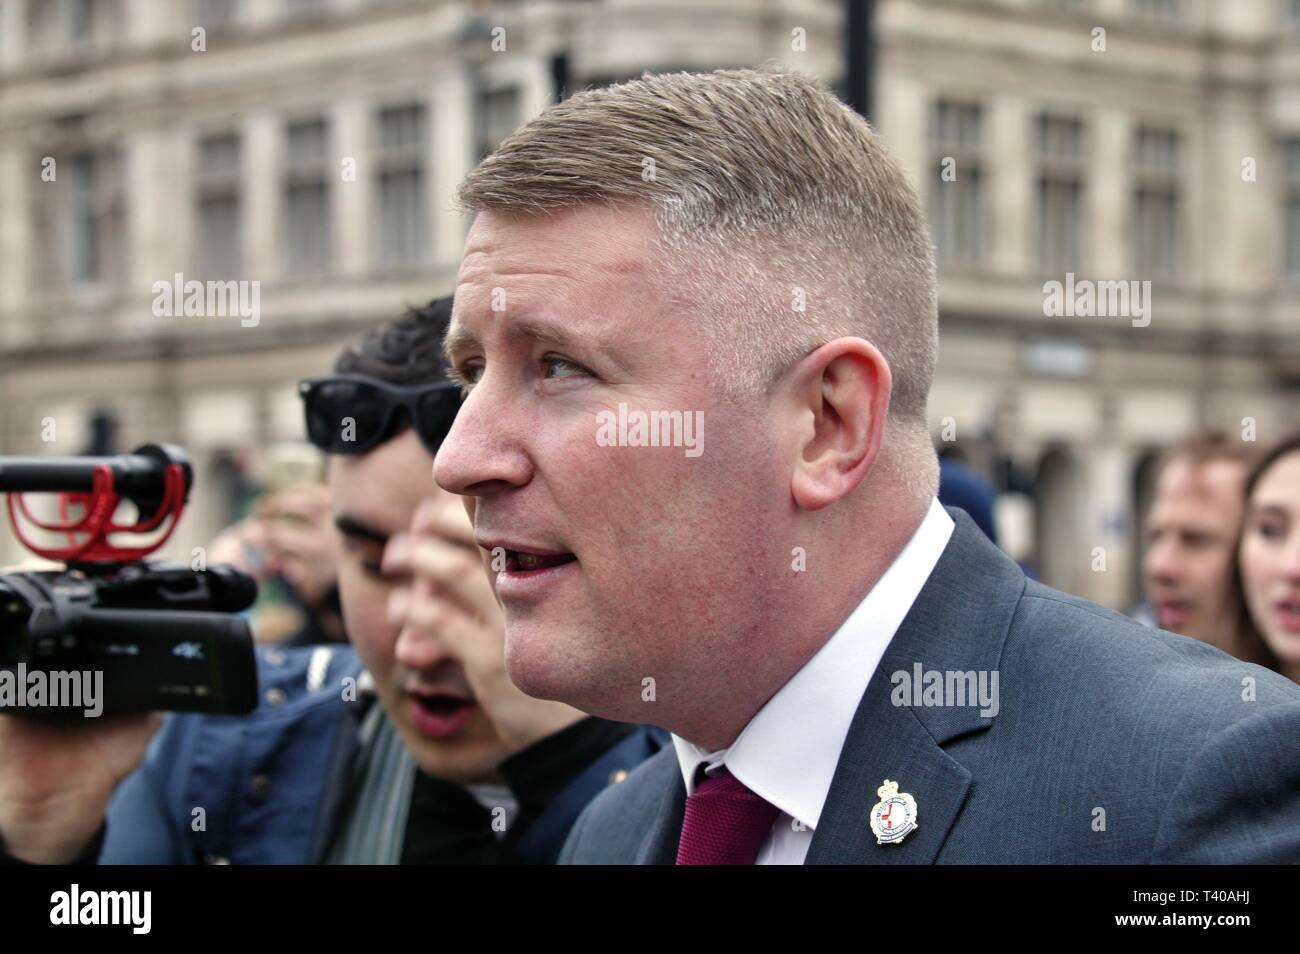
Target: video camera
[{"x": 154, "y": 635}]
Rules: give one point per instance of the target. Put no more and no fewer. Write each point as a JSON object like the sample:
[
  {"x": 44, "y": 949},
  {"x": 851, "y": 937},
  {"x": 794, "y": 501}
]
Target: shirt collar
[{"x": 788, "y": 752}]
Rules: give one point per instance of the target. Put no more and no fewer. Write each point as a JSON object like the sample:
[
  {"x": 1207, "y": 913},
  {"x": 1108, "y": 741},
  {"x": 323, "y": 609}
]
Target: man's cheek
[
  {"x": 374, "y": 639},
  {"x": 351, "y": 589},
  {"x": 365, "y": 615}
]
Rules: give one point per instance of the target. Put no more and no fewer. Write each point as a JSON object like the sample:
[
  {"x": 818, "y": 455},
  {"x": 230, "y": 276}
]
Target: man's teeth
[{"x": 539, "y": 561}]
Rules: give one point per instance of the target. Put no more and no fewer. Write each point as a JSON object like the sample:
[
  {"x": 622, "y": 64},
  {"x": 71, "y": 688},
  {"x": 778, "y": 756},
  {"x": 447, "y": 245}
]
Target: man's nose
[
  {"x": 483, "y": 452},
  {"x": 419, "y": 650},
  {"x": 1162, "y": 563}
]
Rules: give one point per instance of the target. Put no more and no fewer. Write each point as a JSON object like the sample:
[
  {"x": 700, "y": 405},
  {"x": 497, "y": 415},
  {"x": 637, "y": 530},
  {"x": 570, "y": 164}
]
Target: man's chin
[
  {"x": 533, "y": 664},
  {"x": 532, "y": 678},
  {"x": 555, "y": 671},
  {"x": 462, "y": 761},
  {"x": 464, "y": 757}
]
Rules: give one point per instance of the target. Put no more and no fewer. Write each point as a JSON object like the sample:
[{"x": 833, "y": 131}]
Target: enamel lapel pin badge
[{"x": 893, "y": 818}]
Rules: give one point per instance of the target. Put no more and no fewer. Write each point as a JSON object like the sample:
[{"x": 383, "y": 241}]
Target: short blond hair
[{"x": 784, "y": 221}]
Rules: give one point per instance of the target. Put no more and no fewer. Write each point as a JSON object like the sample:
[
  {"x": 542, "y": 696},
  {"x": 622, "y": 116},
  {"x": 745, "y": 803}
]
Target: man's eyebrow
[
  {"x": 351, "y": 527},
  {"x": 551, "y": 333},
  {"x": 456, "y": 340},
  {"x": 459, "y": 338}
]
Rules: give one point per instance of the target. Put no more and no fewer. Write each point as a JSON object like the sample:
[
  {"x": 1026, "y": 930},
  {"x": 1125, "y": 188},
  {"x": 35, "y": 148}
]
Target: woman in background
[{"x": 1268, "y": 557}]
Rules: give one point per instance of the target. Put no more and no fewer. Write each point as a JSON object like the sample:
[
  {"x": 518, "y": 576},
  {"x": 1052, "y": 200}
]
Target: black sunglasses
[{"x": 351, "y": 414}]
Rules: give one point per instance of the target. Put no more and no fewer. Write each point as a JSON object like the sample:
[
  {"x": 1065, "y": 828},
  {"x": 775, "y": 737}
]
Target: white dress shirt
[{"x": 788, "y": 752}]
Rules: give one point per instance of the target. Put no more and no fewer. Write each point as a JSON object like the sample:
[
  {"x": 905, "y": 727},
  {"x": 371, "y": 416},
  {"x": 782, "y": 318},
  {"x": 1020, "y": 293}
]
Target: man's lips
[
  {"x": 526, "y": 557},
  {"x": 439, "y": 713},
  {"x": 529, "y": 570},
  {"x": 1172, "y": 612}
]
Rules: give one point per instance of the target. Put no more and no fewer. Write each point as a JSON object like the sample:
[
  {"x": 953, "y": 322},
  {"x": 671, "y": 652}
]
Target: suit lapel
[
  {"x": 886, "y": 741},
  {"x": 659, "y": 846},
  {"x": 958, "y": 622}
]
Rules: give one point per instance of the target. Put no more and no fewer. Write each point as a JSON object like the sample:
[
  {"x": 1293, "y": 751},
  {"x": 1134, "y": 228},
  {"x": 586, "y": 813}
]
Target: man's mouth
[
  {"x": 1172, "y": 612},
  {"x": 523, "y": 558},
  {"x": 527, "y": 572},
  {"x": 441, "y": 705},
  {"x": 440, "y": 714},
  {"x": 518, "y": 561}
]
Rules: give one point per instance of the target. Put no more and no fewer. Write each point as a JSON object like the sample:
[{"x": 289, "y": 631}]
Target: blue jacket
[{"x": 267, "y": 788}]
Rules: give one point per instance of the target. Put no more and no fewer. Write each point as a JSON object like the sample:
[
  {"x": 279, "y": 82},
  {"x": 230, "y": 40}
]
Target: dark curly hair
[{"x": 406, "y": 351}]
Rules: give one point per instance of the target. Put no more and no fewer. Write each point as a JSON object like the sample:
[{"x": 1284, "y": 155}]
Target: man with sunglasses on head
[{"x": 412, "y": 746}]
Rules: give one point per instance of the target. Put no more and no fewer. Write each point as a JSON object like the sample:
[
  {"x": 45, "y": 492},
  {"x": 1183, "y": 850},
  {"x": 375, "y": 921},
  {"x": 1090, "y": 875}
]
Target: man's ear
[{"x": 840, "y": 396}]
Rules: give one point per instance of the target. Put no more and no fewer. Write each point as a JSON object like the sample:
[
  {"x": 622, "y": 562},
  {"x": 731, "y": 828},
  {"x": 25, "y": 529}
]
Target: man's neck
[{"x": 810, "y": 619}]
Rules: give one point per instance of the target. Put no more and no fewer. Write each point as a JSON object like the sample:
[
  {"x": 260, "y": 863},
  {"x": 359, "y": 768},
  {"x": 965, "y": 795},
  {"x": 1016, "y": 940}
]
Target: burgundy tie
[{"x": 725, "y": 823}]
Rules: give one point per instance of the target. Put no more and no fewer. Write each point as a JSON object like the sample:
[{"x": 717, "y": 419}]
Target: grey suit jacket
[{"x": 1113, "y": 743}]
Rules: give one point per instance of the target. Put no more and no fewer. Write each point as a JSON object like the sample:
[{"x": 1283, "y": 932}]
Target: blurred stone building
[
  {"x": 313, "y": 147},
  {"x": 1110, "y": 140}
]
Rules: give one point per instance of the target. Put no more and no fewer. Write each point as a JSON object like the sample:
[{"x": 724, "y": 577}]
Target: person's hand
[
  {"x": 450, "y": 595},
  {"x": 56, "y": 781},
  {"x": 242, "y": 545},
  {"x": 303, "y": 545}
]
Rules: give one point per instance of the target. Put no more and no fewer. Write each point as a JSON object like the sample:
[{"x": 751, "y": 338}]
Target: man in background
[{"x": 1191, "y": 533}]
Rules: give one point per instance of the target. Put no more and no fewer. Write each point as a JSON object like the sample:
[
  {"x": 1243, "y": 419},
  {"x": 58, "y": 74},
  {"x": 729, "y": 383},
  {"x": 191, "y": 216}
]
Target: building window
[
  {"x": 305, "y": 8},
  {"x": 93, "y": 217},
  {"x": 402, "y": 220},
  {"x": 77, "y": 222},
  {"x": 211, "y": 14},
  {"x": 42, "y": 26},
  {"x": 1058, "y": 142},
  {"x": 496, "y": 112},
  {"x": 1291, "y": 161},
  {"x": 1155, "y": 203},
  {"x": 83, "y": 230},
  {"x": 1160, "y": 10},
  {"x": 78, "y": 20},
  {"x": 59, "y": 28},
  {"x": 957, "y": 182},
  {"x": 218, "y": 246},
  {"x": 307, "y": 199}
]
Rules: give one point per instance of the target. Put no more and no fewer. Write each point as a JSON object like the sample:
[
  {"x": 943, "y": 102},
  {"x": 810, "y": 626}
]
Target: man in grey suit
[{"x": 851, "y": 673}]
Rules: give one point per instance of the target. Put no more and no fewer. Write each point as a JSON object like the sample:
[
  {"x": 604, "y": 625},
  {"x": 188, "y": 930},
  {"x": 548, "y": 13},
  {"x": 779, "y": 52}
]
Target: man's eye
[
  {"x": 561, "y": 367},
  {"x": 373, "y": 570},
  {"x": 368, "y": 560},
  {"x": 465, "y": 376}
]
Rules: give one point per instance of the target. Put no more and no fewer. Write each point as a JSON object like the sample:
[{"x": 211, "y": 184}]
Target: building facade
[{"x": 1101, "y": 141}]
